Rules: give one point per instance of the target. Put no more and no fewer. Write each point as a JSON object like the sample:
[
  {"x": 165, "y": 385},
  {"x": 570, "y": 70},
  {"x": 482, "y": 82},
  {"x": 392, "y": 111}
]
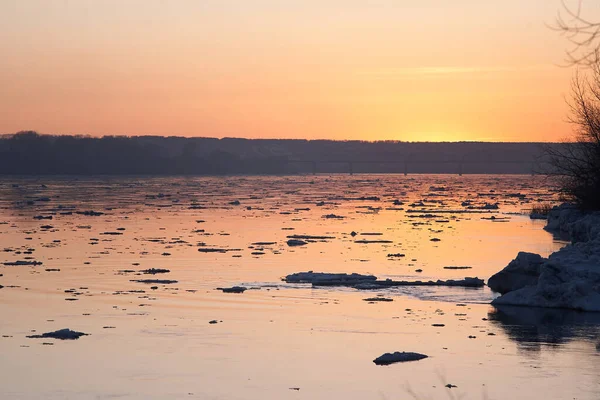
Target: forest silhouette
[{"x": 30, "y": 153}]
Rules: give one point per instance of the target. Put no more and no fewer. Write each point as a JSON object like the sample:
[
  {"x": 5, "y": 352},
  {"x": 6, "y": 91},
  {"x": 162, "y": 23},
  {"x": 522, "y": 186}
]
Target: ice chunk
[
  {"x": 391, "y": 358},
  {"x": 62, "y": 334},
  {"x": 324, "y": 277}
]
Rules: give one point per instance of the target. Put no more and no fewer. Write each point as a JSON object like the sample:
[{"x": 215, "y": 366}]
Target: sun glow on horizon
[{"x": 436, "y": 137}]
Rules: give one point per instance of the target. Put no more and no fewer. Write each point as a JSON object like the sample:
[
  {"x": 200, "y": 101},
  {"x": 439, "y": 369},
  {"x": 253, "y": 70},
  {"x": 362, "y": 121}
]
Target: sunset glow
[{"x": 431, "y": 70}]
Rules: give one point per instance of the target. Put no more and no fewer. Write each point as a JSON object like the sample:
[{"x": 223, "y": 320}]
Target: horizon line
[{"x": 90, "y": 136}]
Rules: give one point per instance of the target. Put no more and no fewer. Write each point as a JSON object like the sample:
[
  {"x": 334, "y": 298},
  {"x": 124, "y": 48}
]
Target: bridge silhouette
[{"x": 406, "y": 162}]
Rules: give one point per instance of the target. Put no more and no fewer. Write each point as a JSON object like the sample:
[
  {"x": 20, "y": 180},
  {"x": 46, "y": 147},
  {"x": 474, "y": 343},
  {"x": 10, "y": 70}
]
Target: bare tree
[
  {"x": 582, "y": 33},
  {"x": 577, "y": 162}
]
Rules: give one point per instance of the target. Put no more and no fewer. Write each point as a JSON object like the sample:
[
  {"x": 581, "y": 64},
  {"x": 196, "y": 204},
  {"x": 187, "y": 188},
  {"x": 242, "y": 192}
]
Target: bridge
[{"x": 460, "y": 163}]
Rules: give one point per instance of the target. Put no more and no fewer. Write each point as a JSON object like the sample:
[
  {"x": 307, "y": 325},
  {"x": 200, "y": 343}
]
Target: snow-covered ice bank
[{"x": 569, "y": 278}]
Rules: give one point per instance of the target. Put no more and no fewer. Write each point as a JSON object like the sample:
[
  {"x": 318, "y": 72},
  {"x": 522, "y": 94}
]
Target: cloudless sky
[{"x": 338, "y": 69}]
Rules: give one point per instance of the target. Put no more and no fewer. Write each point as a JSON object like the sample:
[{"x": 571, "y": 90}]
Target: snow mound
[{"x": 522, "y": 271}]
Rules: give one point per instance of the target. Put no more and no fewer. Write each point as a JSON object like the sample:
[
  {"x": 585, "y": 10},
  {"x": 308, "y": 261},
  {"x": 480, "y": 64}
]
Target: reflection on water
[
  {"x": 533, "y": 327},
  {"x": 155, "y": 341}
]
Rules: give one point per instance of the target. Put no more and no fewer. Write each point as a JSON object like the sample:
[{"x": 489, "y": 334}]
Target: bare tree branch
[
  {"x": 576, "y": 163},
  {"x": 582, "y": 33}
]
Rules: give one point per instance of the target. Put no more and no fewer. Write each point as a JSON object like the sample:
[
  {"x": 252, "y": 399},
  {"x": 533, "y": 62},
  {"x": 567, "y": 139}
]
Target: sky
[{"x": 426, "y": 70}]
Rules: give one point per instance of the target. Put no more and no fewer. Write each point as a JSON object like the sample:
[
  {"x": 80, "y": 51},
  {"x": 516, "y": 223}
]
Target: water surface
[{"x": 277, "y": 337}]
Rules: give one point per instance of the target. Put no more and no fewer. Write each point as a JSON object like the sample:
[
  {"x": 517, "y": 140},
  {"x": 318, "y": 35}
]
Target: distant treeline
[
  {"x": 29, "y": 153},
  {"x": 32, "y": 154}
]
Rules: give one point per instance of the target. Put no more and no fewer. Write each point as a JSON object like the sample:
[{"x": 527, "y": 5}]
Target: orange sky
[{"x": 337, "y": 69}]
